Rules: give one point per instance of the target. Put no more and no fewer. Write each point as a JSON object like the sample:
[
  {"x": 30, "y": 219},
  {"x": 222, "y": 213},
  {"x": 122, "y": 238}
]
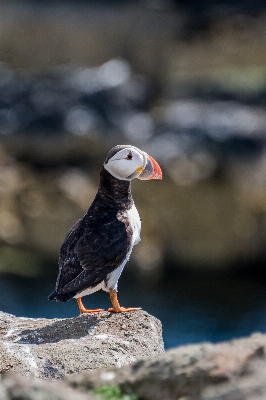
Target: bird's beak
[{"x": 151, "y": 170}]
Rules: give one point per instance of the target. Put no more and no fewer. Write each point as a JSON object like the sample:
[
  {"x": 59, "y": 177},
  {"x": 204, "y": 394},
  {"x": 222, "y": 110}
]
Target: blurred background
[{"x": 186, "y": 82}]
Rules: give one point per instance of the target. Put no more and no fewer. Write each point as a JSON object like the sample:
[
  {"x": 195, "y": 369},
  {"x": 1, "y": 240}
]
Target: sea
[{"x": 192, "y": 308}]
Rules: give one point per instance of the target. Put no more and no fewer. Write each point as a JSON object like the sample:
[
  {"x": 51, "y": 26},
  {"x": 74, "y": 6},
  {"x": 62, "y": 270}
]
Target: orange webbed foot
[
  {"x": 83, "y": 310},
  {"x": 116, "y": 306},
  {"x": 123, "y": 309}
]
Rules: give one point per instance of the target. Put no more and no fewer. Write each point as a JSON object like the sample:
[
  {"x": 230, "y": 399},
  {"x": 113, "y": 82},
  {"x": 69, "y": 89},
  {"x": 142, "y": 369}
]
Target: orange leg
[
  {"x": 116, "y": 306},
  {"x": 82, "y": 309}
]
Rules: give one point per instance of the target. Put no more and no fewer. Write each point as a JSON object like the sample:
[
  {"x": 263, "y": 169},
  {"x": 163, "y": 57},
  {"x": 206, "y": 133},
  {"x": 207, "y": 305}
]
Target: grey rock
[
  {"x": 56, "y": 348},
  {"x": 16, "y": 387},
  {"x": 234, "y": 370}
]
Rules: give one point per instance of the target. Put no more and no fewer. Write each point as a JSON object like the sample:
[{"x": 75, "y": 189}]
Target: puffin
[{"x": 98, "y": 246}]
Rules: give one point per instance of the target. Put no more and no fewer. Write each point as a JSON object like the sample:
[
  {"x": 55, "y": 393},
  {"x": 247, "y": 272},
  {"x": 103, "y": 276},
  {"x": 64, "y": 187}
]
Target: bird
[{"x": 97, "y": 247}]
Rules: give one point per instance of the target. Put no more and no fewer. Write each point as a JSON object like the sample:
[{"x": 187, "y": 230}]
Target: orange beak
[{"x": 151, "y": 170}]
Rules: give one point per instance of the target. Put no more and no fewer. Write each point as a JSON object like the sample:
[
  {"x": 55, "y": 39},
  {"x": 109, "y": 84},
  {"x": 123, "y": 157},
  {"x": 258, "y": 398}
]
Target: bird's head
[{"x": 127, "y": 162}]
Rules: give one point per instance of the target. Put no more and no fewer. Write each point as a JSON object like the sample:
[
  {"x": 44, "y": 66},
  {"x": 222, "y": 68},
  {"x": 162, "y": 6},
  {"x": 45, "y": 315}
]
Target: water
[{"x": 192, "y": 309}]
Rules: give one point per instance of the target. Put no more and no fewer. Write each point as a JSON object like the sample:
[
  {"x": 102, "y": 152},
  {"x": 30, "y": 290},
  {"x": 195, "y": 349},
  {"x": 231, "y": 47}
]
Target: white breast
[{"x": 135, "y": 223}]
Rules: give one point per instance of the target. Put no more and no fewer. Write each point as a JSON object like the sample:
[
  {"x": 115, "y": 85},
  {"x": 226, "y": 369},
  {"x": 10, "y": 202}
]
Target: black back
[{"x": 99, "y": 242}]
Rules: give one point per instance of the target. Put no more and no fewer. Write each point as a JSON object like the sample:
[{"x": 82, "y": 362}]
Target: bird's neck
[{"x": 114, "y": 190}]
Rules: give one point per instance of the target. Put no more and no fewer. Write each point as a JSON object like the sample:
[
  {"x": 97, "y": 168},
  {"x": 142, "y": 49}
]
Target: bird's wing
[
  {"x": 69, "y": 266},
  {"x": 98, "y": 251}
]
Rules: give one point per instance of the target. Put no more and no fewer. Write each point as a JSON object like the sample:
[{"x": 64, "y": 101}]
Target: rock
[
  {"x": 234, "y": 370},
  {"x": 56, "y": 348},
  {"x": 13, "y": 386}
]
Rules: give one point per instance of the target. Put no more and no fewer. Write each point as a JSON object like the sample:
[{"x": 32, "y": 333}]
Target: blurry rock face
[
  {"x": 227, "y": 371},
  {"x": 79, "y": 101},
  {"x": 14, "y": 386},
  {"x": 59, "y": 347}
]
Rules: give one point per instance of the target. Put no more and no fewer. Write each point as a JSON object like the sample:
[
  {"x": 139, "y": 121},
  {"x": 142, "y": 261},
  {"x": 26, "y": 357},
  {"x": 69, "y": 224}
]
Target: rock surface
[
  {"x": 55, "y": 348},
  {"x": 234, "y": 370},
  {"x": 16, "y": 387}
]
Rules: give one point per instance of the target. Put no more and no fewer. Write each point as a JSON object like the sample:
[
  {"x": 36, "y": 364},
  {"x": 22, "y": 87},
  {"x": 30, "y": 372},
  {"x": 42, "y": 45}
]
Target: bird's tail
[{"x": 61, "y": 297}]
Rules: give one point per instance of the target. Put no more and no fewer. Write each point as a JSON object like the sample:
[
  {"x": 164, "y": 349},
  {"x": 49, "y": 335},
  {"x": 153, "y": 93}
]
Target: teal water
[{"x": 191, "y": 309}]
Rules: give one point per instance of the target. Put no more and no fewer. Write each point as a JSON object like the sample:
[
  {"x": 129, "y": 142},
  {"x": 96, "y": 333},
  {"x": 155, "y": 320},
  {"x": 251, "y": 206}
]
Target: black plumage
[
  {"x": 98, "y": 246},
  {"x": 98, "y": 243}
]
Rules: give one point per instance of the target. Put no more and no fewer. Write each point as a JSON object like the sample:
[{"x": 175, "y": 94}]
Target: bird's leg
[
  {"x": 82, "y": 309},
  {"x": 116, "y": 306}
]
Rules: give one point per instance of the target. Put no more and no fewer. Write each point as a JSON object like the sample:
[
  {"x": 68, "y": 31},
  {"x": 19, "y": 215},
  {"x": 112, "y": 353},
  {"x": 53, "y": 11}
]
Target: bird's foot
[
  {"x": 116, "y": 306},
  {"x": 83, "y": 310},
  {"x": 122, "y": 309}
]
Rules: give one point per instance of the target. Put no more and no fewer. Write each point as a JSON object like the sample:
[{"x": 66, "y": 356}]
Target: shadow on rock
[{"x": 73, "y": 328}]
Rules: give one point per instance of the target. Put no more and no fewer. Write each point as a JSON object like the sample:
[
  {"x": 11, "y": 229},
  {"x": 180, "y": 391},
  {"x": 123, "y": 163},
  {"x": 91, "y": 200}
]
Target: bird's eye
[{"x": 129, "y": 156}]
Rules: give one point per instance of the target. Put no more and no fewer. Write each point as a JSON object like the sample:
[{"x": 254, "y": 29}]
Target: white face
[{"x": 126, "y": 164}]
